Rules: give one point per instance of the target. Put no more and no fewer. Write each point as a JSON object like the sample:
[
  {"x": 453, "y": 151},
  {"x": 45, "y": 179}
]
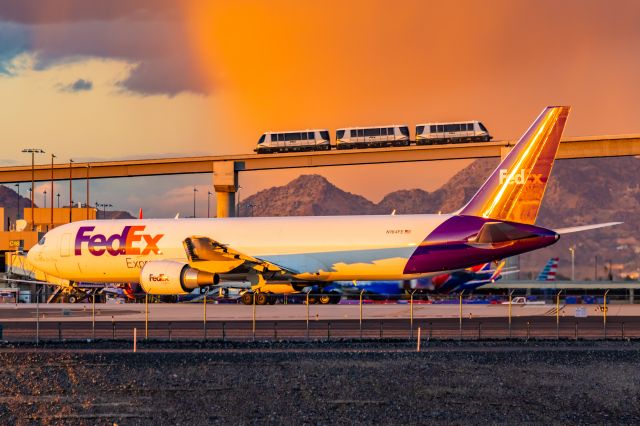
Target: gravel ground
[{"x": 316, "y": 383}]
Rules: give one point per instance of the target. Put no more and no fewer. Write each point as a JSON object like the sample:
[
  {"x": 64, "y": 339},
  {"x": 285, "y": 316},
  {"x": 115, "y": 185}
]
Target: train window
[
  {"x": 420, "y": 130},
  {"x": 372, "y": 132},
  {"x": 339, "y": 134},
  {"x": 404, "y": 130},
  {"x": 311, "y": 135},
  {"x": 353, "y": 133},
  {"x": 262, "y": 138},
  {"x": 433, "y": 128},
  {"x": 440, "y": 128},
  {"x": 484, "y": 129},
  {"x": 277, "y": 137},
  {"x": 325, "y": 134},
  {"x": 390, "y": 131},
  {"x": 360, "y": 133}
]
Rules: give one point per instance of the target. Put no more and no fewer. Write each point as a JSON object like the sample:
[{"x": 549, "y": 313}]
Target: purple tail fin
[{"x": 515, "y": 189}]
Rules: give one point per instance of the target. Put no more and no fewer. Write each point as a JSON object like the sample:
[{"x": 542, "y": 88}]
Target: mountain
[
  {"x": 582, "y": 191},
  {"x": 308, "y": 195},
  {"x": 9, "y": 200},
  {"x": 115, "y": 214}
]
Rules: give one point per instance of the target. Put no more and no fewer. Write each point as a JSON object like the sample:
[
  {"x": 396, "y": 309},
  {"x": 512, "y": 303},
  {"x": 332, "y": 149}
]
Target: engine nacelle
[{"x": 169, "y": 277}]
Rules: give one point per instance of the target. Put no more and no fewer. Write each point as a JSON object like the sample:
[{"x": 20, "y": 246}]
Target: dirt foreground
[{"x": 342, "y": 383}]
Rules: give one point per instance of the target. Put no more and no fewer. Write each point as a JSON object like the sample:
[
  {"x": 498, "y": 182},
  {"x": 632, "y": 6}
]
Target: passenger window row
[{"x": 439, "y": 128}]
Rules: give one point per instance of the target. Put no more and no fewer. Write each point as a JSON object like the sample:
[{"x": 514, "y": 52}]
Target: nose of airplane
[{"x": 32, "y": 254}]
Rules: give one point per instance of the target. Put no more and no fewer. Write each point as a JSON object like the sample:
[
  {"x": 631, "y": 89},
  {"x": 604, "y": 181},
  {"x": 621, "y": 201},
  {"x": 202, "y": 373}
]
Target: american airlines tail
[
  {"x": 549, "y": 271},
  {"x": 515, "y": 189}
]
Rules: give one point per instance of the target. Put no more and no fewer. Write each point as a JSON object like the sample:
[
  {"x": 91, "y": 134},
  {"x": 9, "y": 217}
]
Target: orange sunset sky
[{"x": 121, "y": 79}]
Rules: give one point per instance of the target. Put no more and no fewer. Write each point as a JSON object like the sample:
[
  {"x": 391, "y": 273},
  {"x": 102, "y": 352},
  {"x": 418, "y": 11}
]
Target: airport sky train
[
  {"x": 372, "y": 137},
  {"x": 174, "y": 256}
]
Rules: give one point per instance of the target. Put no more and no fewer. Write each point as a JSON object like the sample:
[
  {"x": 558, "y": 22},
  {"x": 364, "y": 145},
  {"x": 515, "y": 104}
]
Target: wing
[{"x": 206, "y": 253}]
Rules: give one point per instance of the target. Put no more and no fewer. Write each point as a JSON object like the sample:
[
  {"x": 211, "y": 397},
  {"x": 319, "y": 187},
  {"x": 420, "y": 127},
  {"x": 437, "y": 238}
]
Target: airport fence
[{"x": 465, "y": 319}]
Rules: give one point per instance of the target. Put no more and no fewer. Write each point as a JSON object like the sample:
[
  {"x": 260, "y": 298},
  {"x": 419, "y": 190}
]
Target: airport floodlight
[{"x": 33, "y": 151}]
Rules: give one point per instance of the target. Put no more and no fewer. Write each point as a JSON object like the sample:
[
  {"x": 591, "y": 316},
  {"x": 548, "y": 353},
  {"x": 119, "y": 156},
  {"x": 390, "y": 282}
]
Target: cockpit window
[{"x": 41, "y": 242}]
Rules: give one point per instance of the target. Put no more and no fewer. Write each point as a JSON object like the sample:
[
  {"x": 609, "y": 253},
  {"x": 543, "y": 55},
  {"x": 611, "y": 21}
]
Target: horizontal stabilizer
[{"x": 573, "y": 229}]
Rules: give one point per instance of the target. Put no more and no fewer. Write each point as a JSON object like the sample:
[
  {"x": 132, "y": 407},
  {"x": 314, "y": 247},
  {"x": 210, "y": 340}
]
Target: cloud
[
  {"x": 14, "y": 40},
  {"x": 151, "y": 35},
  {"x": 80, "y": 85}
]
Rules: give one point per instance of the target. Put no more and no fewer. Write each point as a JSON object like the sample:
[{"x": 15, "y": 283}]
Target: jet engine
[{"x": 169, "y": 277}]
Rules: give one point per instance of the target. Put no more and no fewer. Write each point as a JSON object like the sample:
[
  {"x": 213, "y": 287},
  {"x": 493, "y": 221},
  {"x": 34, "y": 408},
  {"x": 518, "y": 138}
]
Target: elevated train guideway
[{"x": 225, "y": 168}]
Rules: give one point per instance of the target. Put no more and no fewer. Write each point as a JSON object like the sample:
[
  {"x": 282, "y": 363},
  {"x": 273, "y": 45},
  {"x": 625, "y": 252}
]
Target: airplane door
[{"x": 65, "y": 245}]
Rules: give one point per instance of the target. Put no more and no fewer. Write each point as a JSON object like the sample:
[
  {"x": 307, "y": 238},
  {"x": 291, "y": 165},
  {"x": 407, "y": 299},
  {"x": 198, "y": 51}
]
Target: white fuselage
[{"x": 316, "y": 248}]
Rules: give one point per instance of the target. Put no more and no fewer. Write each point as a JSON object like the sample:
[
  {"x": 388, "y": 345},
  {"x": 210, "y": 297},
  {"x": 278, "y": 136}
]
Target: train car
[
  {"x": 459, "y": 132},
  {"x": 372, "y": 137},
  {"x": 302, "y": 140}
]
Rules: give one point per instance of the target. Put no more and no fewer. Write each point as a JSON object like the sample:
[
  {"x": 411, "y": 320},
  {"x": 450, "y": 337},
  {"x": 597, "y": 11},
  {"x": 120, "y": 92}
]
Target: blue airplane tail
[{"x": 549, "y": 271}]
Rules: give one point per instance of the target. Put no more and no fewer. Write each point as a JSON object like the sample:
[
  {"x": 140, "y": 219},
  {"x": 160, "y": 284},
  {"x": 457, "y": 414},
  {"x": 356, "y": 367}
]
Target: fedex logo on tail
[
  {"x": 132, "y": 241},
  {"x": 519, "y": 178}
]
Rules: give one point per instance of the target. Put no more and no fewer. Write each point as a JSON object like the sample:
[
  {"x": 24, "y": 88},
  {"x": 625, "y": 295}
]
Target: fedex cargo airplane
[{"x": 175, "y": 256}]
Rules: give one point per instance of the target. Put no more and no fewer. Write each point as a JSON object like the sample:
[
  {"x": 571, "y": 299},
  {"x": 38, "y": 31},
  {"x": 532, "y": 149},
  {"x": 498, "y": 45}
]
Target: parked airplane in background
[
  {"x": 169, "y": 256},
  {"x": 454, "y": 282}
]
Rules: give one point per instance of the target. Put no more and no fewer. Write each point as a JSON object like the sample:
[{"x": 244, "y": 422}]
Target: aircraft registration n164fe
[{"x": 175, "y": 256}]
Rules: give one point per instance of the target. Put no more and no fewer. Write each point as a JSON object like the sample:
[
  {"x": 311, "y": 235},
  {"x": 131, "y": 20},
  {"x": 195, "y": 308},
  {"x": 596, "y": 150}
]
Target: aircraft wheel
[
  {"x": 335, "y": 297},
  {"x": 324, "y": 299},
  {"x": 261, "y": 298},
  {"x": 72, "y": 298},
  {"x": 247, "y": 298}
]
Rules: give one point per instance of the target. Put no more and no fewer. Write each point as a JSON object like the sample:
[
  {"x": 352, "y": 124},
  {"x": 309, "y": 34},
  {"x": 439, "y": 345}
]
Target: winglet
[{"x": 515, "y": 189}]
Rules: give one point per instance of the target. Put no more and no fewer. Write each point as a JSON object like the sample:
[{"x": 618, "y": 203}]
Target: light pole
[
  {"x": 238, "y": 202},
  {"x": 208, "y": 204},
  {"x": 18, "y": 186},
  {"x": 87, "y": 206},
  {"x": 572, "y": 249},
  {"x": 45, "y": 198},
  {"x": 58, "y": 195},
  {"x": 33, "y": 152},
  {"x": 194, "y": 201},
  {"x": 52, "y": 157},
  {"x": 70, "y": 190},
  {"x": 104, "y": 210}
]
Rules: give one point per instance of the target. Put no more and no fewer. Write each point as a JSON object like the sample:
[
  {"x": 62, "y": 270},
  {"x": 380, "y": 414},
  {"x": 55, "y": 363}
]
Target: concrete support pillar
[
  {"x": 504, "y": 151},
  {"x": 225, "y": 204},
  {"x": 631, "y": 295},
  {"x": 225, "y": 182}
]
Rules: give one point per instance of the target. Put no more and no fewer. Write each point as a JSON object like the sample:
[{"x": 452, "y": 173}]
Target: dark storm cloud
[
  {"x": 80, "y": 85},
  {"x": 149, "y": 33},
  {"x": 34, "y": 12}
]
